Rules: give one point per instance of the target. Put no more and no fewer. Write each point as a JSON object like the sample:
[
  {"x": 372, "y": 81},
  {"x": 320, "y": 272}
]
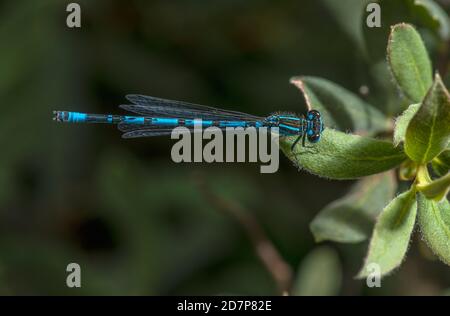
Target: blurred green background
[{"x": 136, "y": 222}]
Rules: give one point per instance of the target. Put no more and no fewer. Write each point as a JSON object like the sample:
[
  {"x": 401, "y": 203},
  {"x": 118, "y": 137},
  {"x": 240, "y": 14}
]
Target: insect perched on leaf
[{"x": 160, "y": 116}]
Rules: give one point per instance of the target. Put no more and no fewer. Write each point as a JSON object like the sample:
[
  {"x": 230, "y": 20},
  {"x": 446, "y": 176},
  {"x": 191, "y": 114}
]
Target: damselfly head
[{"x": 315, "y": 126}]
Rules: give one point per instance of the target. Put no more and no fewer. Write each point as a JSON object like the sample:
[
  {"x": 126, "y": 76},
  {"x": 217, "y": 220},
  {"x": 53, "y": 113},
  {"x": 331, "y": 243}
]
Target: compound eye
[
  {"x": 313, "y": 114},
  {"x": 314, "y": 138}
]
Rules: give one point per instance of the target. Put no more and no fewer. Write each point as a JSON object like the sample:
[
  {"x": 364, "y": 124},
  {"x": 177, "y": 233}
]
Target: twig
[{"x": 281, "y": 272}]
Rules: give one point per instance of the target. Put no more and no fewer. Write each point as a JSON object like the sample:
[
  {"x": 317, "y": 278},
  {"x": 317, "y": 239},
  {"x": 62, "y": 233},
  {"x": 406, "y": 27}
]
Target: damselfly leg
[
  {"x": 303, "y": 138},
  {"x": 296, "y": 141}
]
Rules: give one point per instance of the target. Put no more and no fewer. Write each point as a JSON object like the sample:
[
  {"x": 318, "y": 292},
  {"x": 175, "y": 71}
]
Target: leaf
[
  {"x": 340, "y": 108},
  {"x": 319, "y": 274},
  {"x": 428, "y": 132},
  {"x": 433, "y": 16},
  {"x": 409, "y": 62},
  {"x": 391, "y": 234},
  {"x": 343, "y": 156},
  {"x": 351, "y": 218},
  {"x": 434, "y": 221},
  {"x": 441, "y": 164},
  {"x": 437, "y": 189},
  {"x": 401, "y": 123}
]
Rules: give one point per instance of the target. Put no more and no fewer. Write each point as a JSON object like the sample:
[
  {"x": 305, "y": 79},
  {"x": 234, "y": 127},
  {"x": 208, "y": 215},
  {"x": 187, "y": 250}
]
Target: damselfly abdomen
[{"x": 160, "y": 116}]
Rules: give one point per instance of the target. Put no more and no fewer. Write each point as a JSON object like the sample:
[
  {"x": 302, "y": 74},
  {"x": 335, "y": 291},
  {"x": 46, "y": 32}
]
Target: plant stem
[
  {"x": 280, "y": 271},
  {"x": 423, "y": 177}
]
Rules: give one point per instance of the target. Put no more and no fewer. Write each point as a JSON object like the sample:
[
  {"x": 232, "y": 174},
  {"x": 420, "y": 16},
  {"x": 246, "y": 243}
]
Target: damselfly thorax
[{"x": 309, "y": 127}]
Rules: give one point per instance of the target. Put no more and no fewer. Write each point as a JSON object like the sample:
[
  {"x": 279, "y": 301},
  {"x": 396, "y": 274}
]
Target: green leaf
[
  {"x": 434, "y": 221},
  {"x": 428, "y": 132},
  {"x": 351, "y": 218},
  {"x": 401, "y": 123},
  {"x": 340, "y": 108},
  {"x": 441, "y": 164},
  {"x": 432, "y": 16},
  {"x": 391, "y": 234},
  {"x": 319, "y": 274},
  {"x": 409, "y": 62},
  {"x": 343, "y": 156},
  {"x": 437, "y": 189}
]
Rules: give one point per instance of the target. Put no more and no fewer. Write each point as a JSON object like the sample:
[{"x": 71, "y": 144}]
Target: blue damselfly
[{"x": 160, "y": 116}]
